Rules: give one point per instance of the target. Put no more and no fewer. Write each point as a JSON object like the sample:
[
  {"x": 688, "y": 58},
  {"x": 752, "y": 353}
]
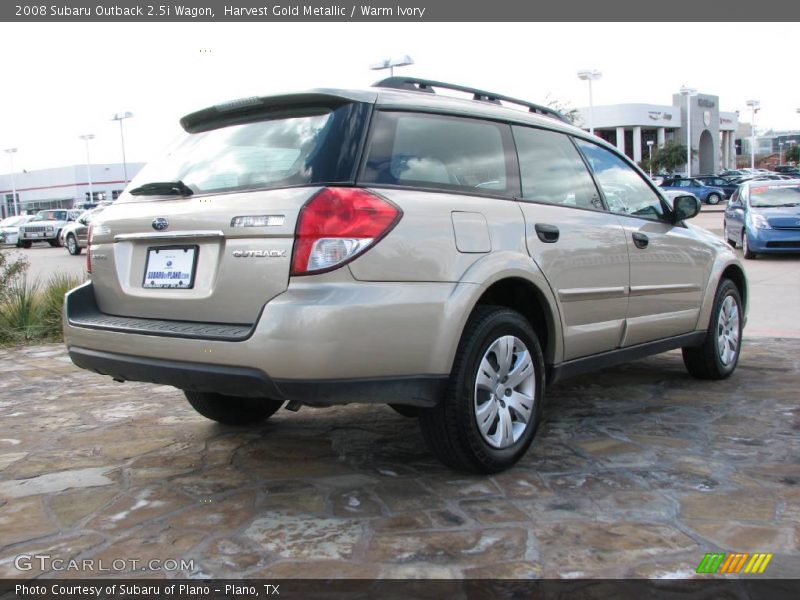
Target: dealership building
[
  {"x": 63, "y": 187},
  {"x": 631, "y": 126}
]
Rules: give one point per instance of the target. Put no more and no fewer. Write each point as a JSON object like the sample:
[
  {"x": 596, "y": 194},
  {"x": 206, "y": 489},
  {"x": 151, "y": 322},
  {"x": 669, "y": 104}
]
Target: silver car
[{"x": 447, "y": 256}]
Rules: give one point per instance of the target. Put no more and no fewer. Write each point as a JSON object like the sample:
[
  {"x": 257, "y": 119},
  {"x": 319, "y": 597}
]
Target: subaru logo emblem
[{"x": 160, "y": 224}]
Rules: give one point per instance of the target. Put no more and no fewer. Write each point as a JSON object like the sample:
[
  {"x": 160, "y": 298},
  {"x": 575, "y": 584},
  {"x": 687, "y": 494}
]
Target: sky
[{"x": 61, "y": 80}]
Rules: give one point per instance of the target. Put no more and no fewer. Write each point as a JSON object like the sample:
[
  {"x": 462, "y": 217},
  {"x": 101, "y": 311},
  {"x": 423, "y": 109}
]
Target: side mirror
[
  {"x": 83, "y": 221},
  {"x": 685, "y": 207}
]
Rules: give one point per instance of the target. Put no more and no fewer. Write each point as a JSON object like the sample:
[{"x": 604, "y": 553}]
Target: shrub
[{"x": 30, "y": 312}]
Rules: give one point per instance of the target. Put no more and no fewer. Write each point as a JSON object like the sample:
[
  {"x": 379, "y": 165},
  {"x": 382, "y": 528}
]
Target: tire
[
  {"x": 719, "y": 354},
  {"x": 451, "y": 428},
  {"x": 56, "y": 243},
  {"x": 406, "y": 410},
  {"x": 713, "y": 199},
  {"x": 746, "y": 252},
  {"x": 72, "y": 245},
  {"x": 727, "y": 236},
  {"x": 25, "y": 244},
  {"x": 232, "y": 410}
]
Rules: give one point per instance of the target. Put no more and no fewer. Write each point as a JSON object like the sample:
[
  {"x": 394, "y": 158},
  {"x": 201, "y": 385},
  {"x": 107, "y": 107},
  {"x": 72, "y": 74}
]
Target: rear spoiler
[{"x": 247, "y": 110}]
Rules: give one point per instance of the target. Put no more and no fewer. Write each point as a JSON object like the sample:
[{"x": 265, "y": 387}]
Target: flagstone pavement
[{"x": 638, "y": 471}]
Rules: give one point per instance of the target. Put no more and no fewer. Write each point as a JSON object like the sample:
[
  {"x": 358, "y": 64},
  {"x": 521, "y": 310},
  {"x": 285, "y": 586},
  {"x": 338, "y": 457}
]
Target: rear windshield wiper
[{"x": 167, "y": 188}]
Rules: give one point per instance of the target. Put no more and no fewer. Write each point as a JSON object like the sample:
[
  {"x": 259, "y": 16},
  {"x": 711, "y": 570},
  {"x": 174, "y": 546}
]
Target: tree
[
  {"x": 569, "y": 113},
  {"x": 670, "y": 157},
  {"x": 792, "y": 154}
]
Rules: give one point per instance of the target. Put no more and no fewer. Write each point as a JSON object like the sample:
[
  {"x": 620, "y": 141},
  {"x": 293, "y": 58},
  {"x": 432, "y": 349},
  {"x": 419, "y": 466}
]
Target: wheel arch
[
  {"x": 732, "y": 270},
  {"x": 517, "y": 283}
]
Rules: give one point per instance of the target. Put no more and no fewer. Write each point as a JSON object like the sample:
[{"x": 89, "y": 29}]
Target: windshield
[
  {"x": 51, "y": 215},
  {"x": 775, "y": 195},
  {"x": 304, "y": 146}
]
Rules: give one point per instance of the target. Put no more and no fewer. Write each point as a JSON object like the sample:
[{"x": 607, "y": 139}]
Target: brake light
[
  {"x": 89, "y": 249},
  {"x": 337, "y": 225}
]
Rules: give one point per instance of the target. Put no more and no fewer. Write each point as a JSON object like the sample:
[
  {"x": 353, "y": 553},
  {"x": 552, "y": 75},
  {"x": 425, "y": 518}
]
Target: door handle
[
  {"x": 640, "y": 240},
  {"x": 547, "y": 233}
]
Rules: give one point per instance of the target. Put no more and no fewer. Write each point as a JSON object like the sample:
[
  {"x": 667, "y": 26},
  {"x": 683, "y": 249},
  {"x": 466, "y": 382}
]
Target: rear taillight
[
  {"x": 337, "y": 225},
  {"x": 89, "y": 249}
]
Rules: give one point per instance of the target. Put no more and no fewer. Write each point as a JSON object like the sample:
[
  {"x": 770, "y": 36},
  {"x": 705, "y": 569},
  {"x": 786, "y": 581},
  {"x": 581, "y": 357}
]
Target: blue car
[
  {"x": 764, "y": 217},
  {"x": 706, "y": 193}
]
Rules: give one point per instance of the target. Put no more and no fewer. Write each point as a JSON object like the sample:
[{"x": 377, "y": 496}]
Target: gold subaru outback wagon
[{"x": 445, "y": 255}]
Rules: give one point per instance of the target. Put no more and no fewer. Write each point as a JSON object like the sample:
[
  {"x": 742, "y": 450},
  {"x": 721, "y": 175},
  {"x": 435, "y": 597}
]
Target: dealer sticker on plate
[{"x": 170, "y": 267}]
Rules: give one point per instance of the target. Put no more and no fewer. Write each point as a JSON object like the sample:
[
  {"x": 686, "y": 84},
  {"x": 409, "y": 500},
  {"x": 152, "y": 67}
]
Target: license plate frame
[{"x": 170, "y": 252}]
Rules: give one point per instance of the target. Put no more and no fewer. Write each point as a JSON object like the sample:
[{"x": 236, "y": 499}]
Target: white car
[{"x": 9, "y": 228}]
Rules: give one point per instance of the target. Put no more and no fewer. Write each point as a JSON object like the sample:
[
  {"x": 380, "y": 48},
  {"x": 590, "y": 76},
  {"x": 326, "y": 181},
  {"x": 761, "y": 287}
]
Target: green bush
[{"x": 30, "y": 312}]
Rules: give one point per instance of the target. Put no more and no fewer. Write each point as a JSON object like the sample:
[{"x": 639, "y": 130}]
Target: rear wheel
[
  {"x": 232, "y": 410},
  {"x": 746, "y": 252},
  {"x": 718, "y": 356},
  {"x": 714, "y": 198},
  {"x": 72, "y": 245},
  {"x": 493, "y": 405}
]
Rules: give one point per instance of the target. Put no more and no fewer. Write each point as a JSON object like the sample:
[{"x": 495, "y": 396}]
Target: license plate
[{"x": 170, "y": 267}]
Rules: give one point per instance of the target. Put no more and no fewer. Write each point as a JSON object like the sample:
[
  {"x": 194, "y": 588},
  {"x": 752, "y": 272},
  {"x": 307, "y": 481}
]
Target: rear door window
[
  {"x": 552, "y": 171},
  {"x": 441, "y": 152}
]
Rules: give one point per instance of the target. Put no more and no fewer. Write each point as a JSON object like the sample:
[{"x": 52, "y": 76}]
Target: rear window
[
  {"x": 309, "y": 146},
  {"x": 440, "y": 152}
]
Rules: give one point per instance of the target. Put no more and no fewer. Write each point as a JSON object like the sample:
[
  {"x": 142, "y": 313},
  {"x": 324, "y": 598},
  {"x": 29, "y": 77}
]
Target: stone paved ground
[{"x": 638, "y": 471}]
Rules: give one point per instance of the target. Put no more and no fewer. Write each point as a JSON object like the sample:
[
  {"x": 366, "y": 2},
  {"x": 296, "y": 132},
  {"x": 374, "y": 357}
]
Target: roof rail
[{"x": 426, "y": 85}]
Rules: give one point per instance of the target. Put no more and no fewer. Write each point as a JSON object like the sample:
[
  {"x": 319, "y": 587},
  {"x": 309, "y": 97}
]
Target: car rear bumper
[
  {"x": 424, "y": 391},
  {"x": 319, "y": 344}
]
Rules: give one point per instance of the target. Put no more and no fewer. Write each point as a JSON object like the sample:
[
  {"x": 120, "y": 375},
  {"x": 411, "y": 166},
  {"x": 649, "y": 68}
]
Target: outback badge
[{"x": 160, "y": 224}]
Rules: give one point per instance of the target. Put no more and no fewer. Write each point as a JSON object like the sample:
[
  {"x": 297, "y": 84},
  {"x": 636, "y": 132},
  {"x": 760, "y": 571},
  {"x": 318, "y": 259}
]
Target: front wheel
[
  {"x": 493, "y": 405},
  {"x": 232, "y": 410},
  {"x": 72, "y": 245},
  {"x": 727, "y": 236},
  {"x": 746, "y": 251},
  {"x": 714, "y": 199},
  {"x": 26, "y": 244},
  {"x": 718, "y": 356}
]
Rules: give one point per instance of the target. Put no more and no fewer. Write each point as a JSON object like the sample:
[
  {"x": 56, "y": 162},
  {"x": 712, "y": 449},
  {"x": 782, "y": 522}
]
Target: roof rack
[{"x": 426, "y": 85}]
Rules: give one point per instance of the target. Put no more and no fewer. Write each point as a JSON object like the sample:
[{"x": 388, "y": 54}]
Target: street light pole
[
  {"x": 650, "y": 159},
  {"x": 391, "y": 63},
  {"x": 754, "y": 106},
  {"x": 14, "y": 200},
  {"x": 688, "y": 92},
  {"x": 780, "y": 151},
  {"x": 590, "y": 75},
  {"x": 86, "y": 137},
  {"x": 121, "y": 116}
]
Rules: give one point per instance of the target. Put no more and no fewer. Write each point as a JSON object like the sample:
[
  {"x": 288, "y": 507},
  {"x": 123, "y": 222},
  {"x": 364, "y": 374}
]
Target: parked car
[
  {"x": 706, "y": 193},
  {"x": 9, "y": 228},
  {"x": 764, "y": 217},
  {"x": 74, "y": 235},
  {"x": 46, "y": 226},
  {"x": 787, "y": 170},
  {"x": 719, "y": 182},
  {"x": 445, "y": 255},
  {"x": 733, "y": 173}
]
